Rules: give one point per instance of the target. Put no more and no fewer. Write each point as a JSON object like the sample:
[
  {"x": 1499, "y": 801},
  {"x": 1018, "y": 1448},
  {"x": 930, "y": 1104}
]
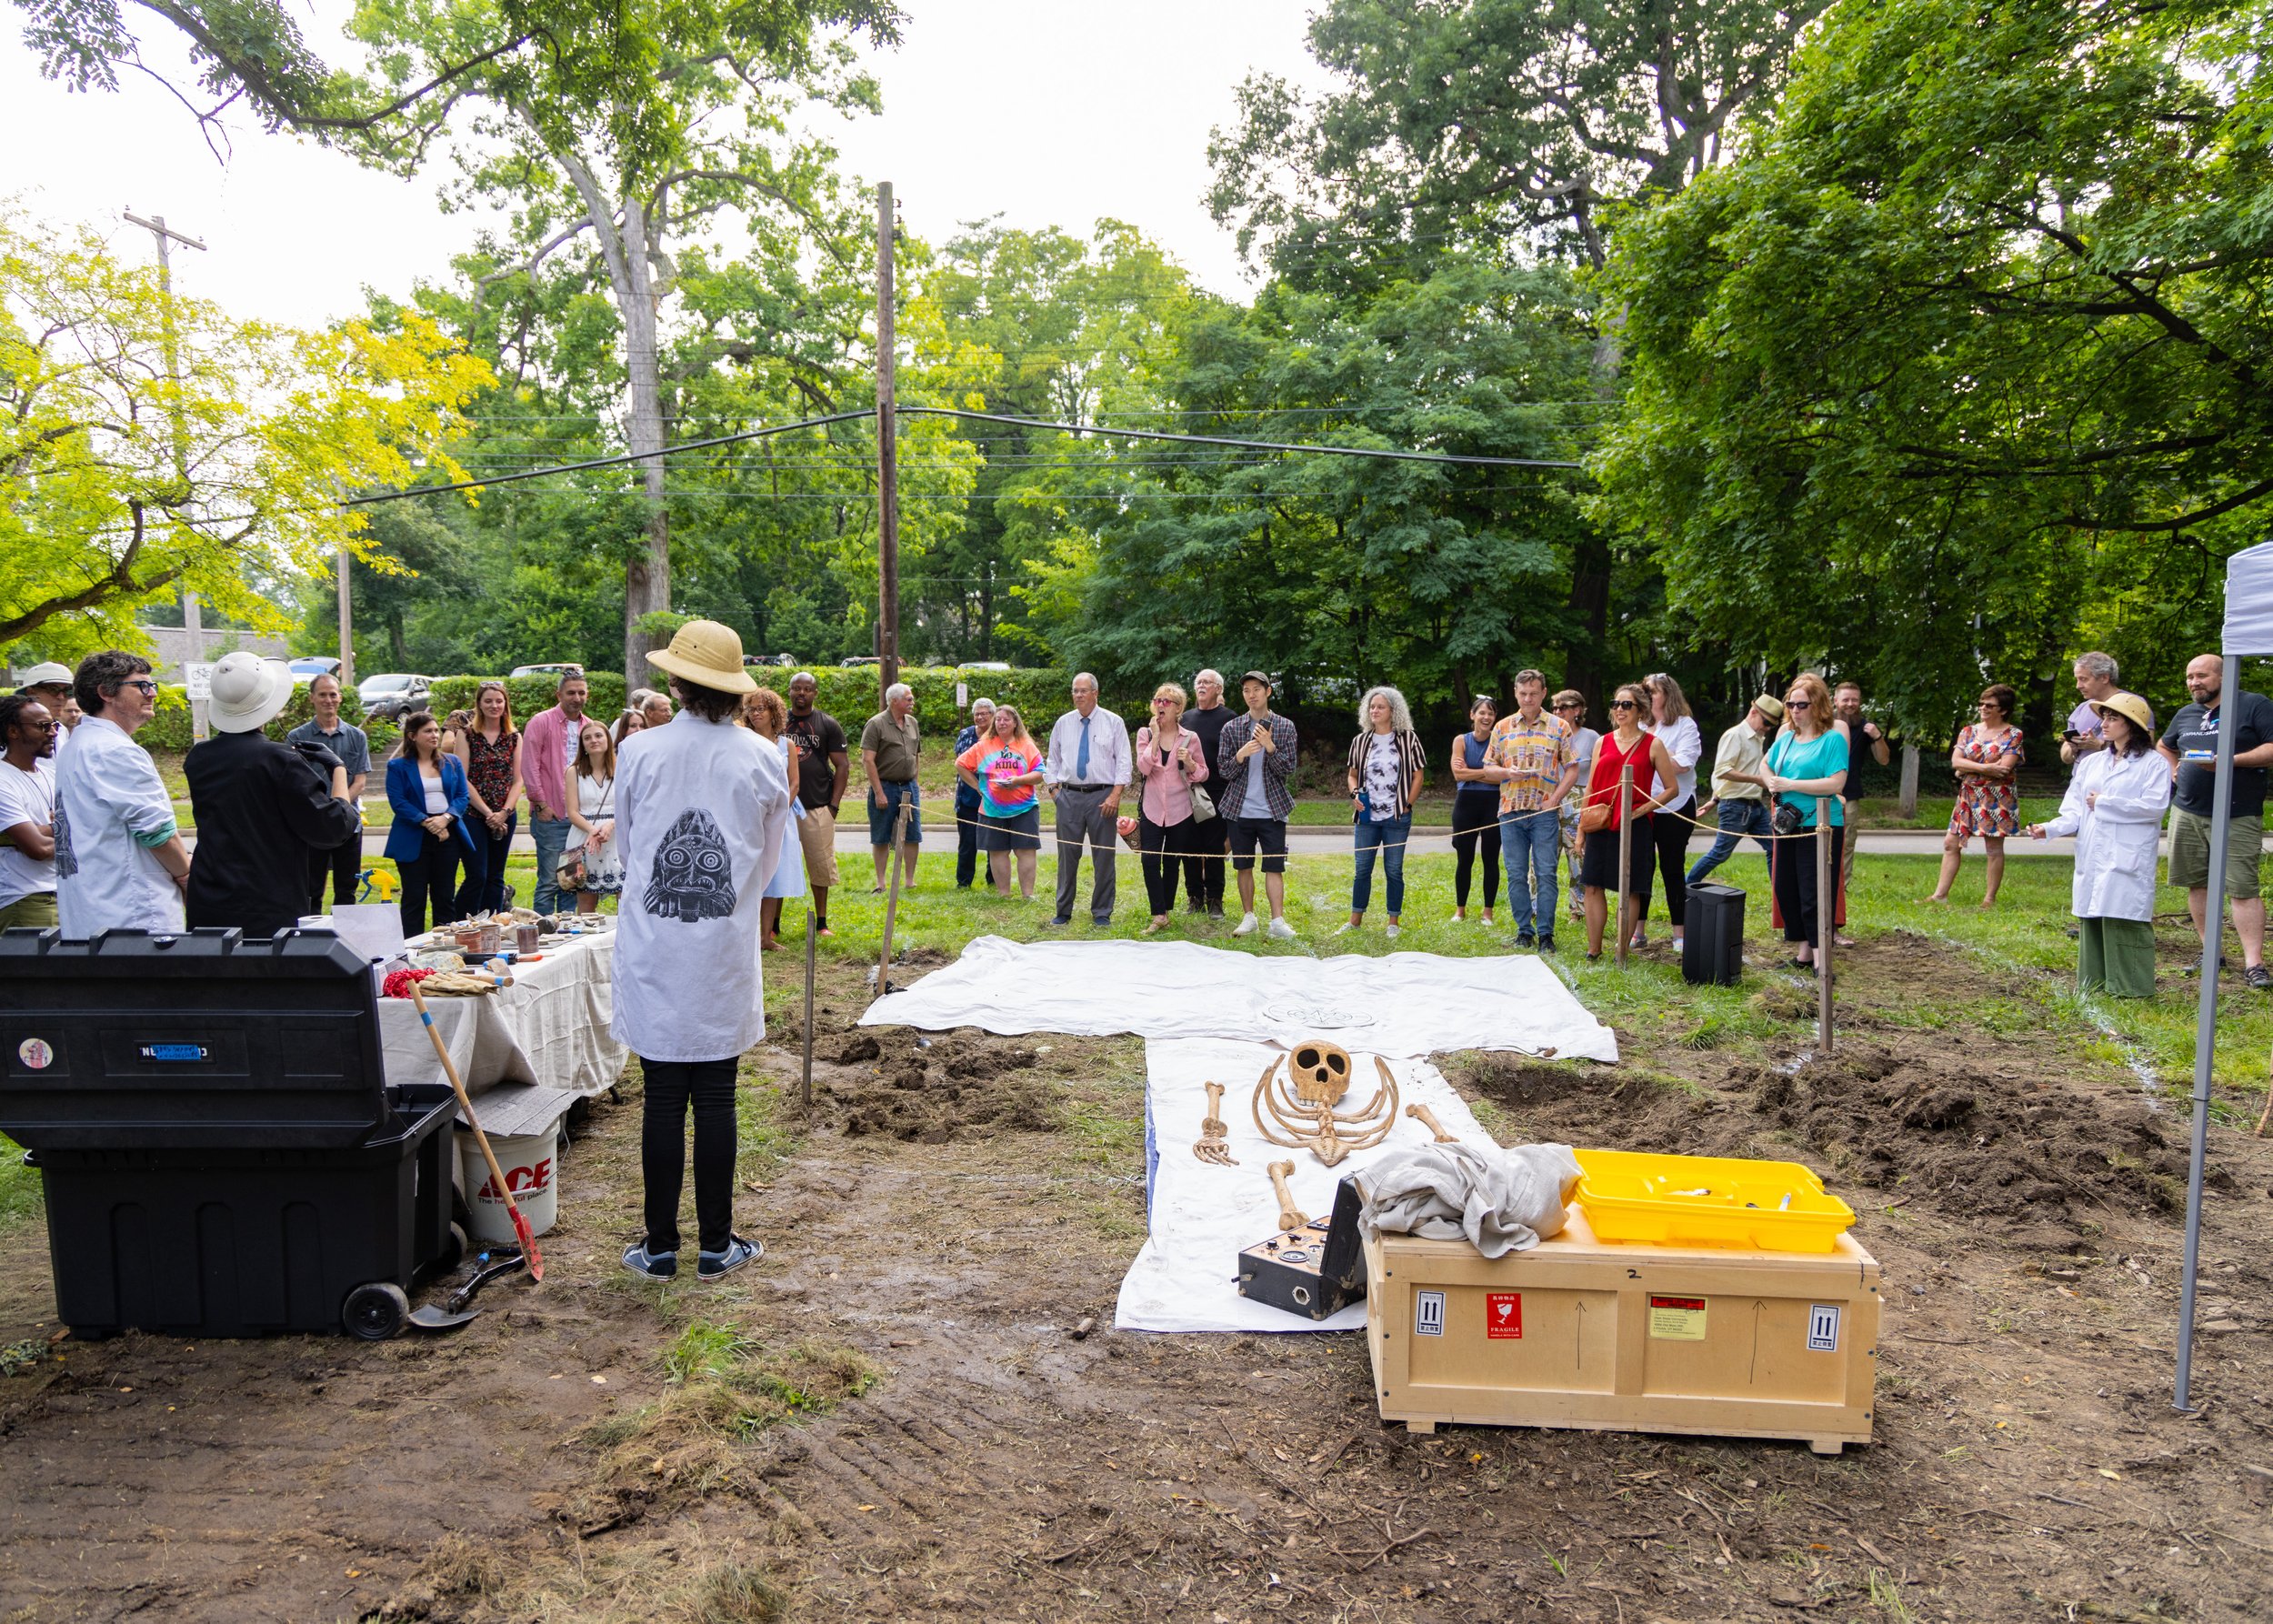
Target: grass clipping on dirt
[{"x": 724, "y": 1390}]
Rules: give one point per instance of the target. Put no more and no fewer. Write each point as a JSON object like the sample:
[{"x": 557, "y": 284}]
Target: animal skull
[{"x": 1320, "y": 1072}]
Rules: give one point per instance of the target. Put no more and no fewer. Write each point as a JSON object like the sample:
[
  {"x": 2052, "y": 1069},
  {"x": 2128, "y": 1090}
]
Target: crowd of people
[{"x": 1540, "y": 801}]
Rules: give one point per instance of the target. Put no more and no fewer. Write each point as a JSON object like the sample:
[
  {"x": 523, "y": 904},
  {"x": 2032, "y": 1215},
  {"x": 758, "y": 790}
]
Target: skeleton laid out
[{"x": 1298, "y": 1093}]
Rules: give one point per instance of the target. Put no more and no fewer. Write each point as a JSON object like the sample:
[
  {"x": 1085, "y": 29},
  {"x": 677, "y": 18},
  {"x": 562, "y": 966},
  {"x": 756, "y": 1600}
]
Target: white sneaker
[
  {"x": 1246, "y": 927},
  {"x": 1346, "y": 930},
  {"x": 1396, "y": 931},
  {"x": 1281, "y": 931}
]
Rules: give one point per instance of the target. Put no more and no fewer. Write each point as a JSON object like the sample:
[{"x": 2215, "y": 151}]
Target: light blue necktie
[{"x": 1081, "y": 756}]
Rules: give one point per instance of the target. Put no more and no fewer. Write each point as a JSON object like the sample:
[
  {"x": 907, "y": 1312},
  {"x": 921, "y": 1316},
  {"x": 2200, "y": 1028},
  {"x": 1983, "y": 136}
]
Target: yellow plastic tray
[{"x": 1708, "y": 1200}]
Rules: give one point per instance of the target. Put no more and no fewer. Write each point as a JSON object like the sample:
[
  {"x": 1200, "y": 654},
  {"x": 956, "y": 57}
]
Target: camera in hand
[{"x": 1786, "y": 818}]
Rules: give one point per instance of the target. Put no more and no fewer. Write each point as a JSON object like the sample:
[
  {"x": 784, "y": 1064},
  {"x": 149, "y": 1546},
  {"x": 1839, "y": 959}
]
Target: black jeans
[
  {"x": 1206, "y": 848},
  {"x": 433, "y": 872},
  {"x": 343, "y": 864},
  {"x": 1476, "y": 818},
  {"x": 1161, "y": 848},
  {"x": 1793, "y": 864},
  {"x": 1671, "y": 837},
  {"x": 671, "y": 1086},
  {"x": 966, "y": 842},
  {"x": 484, "y": 883}
]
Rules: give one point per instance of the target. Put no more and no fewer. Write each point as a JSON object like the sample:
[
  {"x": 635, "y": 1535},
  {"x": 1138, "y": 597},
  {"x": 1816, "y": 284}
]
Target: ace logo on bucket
[
  {"x": 1503, "y": 1316},
  {"x": 521, "y": 1181}
]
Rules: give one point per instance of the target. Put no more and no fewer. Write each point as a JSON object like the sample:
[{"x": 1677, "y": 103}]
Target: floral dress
[{"x": 1986, "y": 806}]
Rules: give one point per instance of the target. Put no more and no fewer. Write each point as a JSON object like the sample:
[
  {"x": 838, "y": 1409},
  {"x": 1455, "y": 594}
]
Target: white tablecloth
[{"x": 550, "y": 1027}]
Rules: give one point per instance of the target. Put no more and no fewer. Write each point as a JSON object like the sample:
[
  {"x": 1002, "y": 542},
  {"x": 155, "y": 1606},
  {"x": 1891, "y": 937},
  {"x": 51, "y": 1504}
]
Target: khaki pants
[
  {"x": 36, "y": 909},
  {"x": 817, "y": 832}
]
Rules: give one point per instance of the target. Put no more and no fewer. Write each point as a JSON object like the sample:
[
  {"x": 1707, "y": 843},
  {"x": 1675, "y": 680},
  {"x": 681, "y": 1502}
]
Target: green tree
[
  {"x": 151, "y": 444},
  {"x": 1964, "y": 365},
  {"x": 1489, "y": 119},
  {"x": 618, "y": 130}
]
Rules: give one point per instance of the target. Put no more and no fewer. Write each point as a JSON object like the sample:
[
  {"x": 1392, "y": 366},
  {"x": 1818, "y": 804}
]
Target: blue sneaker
[
  {"x": 655, "y": 1266},
  {"x": 712, "y": 1265}
]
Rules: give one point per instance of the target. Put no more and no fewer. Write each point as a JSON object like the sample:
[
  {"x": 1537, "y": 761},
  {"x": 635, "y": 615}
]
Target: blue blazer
[{"x": 407, "y": 793}]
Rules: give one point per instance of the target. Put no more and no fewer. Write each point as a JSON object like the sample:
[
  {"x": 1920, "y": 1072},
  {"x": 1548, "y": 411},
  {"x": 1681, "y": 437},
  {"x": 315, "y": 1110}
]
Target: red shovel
[{"x": 521, "y": 1231}]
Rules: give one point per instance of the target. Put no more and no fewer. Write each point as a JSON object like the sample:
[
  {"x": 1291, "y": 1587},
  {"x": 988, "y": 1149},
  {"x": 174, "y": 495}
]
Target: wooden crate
[{"x": 1581, "y": 1333}]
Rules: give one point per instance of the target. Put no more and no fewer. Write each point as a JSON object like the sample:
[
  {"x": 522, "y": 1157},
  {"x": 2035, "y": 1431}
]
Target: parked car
[
  {"x": 986, "y": 664},
  {"x": 308, "y": 668},
  {"x": 547, "y": 669},
  {"x": 392, "y": 695},
  {"x": 769, "y": 659},
  {"x": 861, "y": 659}
]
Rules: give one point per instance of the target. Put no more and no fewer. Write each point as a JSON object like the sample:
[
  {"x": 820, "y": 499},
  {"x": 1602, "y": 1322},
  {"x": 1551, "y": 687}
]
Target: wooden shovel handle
[{"x": 1289, "y": 1215}]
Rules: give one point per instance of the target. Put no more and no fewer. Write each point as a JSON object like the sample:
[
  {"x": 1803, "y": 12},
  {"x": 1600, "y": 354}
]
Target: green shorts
[
  {"x": 37, "y": 909},
  {"x": 2190, "y": 853}
]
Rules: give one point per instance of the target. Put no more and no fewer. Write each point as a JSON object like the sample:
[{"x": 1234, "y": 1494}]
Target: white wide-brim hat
[{"x": 248, "y": 691}]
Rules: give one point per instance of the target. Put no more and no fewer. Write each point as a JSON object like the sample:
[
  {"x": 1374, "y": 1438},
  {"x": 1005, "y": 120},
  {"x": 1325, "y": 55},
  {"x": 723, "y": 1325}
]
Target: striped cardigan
[{"x": 1410, "y": 759}]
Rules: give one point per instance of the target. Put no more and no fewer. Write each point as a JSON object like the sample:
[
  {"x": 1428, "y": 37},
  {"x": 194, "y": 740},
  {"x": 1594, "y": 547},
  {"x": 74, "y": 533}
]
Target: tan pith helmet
[{"x": 707, "y": 654}]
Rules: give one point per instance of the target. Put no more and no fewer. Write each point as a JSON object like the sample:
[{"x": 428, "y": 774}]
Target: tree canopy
[{"x": 1965, "y": 357}]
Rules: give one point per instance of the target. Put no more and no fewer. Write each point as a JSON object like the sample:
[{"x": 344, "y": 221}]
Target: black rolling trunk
[
  {"x": 221, "y": 1153},
  {"x": 1313, "y": 1271}
]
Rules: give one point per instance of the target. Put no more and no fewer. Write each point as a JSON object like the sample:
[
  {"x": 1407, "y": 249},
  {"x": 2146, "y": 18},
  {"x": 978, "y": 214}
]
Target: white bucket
[{"x": 531, "y": 1163}]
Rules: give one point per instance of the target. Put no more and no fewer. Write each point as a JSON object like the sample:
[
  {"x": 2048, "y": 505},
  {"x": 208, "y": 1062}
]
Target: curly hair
[
  {"x": 101, "y": 671},
  {"x": 1400, "y": 713}
]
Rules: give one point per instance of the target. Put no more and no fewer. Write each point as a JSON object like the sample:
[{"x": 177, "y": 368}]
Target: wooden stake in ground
[
  {"x": 892, "y": 899},
  {"x": 805, "y": 1087},
  {"x": 1626, "y": 855},
  {"x": 1826, "y": 905},
  {"x": 2268, "y": 1117},
  {"x": 521, "y": 1230}
]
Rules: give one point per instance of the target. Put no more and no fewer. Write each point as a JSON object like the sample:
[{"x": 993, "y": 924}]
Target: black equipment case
[
  {"x": 1314, "y": 1271},
  {"x": 1712, "y": 946},
  {"x": 221, "y": 1152}
]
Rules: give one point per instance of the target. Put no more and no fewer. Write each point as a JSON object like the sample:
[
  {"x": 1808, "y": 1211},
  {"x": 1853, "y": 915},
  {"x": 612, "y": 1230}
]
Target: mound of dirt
[
  {"x": 901, "y": 1086},
  {"x": 1969, "y": 1142}
]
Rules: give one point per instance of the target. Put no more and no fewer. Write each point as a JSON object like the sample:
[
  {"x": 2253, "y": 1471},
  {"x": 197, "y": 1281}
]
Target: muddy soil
[{"x": 932, "y": 1418}]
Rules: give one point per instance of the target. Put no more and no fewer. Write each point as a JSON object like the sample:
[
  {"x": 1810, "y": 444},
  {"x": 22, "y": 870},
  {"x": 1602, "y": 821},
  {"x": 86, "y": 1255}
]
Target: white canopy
[{"x": 2249, "y": 601}]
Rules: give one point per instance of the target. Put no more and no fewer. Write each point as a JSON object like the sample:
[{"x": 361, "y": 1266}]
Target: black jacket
[{"x": 260, "y": 808}]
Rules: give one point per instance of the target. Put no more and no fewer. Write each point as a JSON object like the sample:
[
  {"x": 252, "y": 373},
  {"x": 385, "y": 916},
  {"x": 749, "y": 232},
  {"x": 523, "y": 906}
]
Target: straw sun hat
[
  {"x": 710, "y": 654},
  {"x": 2130, "y": 707}
]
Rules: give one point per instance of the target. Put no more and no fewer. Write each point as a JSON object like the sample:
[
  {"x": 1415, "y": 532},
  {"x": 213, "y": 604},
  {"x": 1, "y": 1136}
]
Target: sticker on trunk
[
  {"x": 1503, "y": 1316},
  {"x": 1677, "y": 1318},
  {"x": 1823, "y": 1327},
  {"x": 35, "y": 1053},
  {"x": 1428, "y": 1313}
]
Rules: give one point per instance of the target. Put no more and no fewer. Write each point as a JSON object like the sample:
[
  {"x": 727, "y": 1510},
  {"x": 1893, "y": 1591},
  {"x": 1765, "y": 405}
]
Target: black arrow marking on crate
[
  {"x": 1758, "y": 1308},
  {"x": 1579, "y": 1336}
]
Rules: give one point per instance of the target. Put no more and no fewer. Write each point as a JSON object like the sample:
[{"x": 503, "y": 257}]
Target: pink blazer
[{"x": 1166, "y": 796}]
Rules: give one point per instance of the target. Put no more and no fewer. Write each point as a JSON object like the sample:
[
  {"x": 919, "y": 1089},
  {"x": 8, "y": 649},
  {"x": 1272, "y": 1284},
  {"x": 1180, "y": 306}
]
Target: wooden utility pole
[
  {"x": 1827, "y": 906},
  {"x": 346, "y": 627},
  {"x": 193, "y": 620},
  {"x": 888, "y": 466}
]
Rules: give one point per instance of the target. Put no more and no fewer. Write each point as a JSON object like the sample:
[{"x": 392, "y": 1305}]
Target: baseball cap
[{"x": 1262, "y": 676}]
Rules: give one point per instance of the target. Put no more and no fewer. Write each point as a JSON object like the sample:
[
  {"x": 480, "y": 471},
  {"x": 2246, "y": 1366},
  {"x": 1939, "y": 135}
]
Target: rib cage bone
[{"x": 1296, "y": 1095}]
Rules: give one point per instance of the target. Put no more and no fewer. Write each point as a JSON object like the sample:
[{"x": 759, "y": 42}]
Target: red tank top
[{"x": 1602, "y": 788}]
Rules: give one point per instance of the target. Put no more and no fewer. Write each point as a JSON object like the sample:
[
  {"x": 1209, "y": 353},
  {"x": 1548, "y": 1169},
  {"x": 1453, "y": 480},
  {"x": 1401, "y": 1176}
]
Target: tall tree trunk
[{"x": 624, "y": 234}]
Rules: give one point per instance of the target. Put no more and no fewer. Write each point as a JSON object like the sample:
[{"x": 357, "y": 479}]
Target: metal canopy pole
[{"x": 2205, "y": 1022}]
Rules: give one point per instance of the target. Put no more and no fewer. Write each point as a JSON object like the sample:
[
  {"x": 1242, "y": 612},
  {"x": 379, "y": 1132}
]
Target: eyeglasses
[
  {"x": 1800, "y": 704},
  {"x": 1624, "y": 705},
  {"x": 143, "y": 683}
]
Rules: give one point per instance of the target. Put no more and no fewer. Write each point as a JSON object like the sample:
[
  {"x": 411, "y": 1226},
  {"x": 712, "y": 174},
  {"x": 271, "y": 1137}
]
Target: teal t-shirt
[{"x": 1823, "y": 757}]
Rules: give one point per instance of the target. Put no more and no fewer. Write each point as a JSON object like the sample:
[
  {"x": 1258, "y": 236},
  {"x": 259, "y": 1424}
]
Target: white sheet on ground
[
  {"x": 1400, "y": 1004},
  {"x": 1185, "y": 1279}
]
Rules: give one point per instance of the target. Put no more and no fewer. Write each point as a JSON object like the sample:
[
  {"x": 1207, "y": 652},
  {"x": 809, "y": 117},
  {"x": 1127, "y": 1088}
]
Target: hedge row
[
  {"x": 529, "y": 695},
  {"x": 169, "y": 727}
]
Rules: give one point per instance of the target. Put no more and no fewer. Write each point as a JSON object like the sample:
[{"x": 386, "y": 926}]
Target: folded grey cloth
[{"x": 1503, "y": 1200}]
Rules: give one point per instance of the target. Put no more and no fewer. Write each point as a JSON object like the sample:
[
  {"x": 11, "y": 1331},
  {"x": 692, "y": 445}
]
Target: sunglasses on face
[
  {"x": 1624, "y": 705},
  {"x": 141, "y": 683},
  {"x": 1800, "y": 704}
]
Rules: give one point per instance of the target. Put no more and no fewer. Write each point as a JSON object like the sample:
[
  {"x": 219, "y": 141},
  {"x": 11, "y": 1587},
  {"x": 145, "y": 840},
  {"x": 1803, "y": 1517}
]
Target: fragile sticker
[
  {"x": 1503, "y": 1316},
  {"x": 1677, "y": 1318},
  {"x": 1823, "y": 1327},
  {"x": 35, "y": 1053},
  {"x": 1428, "y": 1313}
]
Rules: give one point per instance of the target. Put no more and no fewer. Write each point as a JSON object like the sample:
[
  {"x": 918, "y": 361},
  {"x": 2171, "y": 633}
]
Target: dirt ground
[{"x": 915, "y": 1408}]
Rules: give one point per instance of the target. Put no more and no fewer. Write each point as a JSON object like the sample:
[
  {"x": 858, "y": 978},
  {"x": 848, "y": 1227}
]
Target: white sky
[{"x": 1048, "y": 112}]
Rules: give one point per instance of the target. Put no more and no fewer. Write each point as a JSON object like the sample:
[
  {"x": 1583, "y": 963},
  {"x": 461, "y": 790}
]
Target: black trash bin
[
  {"x": 1712, "y": 943},
  {"x": 221, "y": 1153}
]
